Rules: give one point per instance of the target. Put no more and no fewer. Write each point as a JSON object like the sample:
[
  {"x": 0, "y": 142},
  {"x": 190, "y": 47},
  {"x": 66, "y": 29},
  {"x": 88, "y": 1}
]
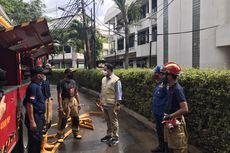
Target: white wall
[
  {"x": 180, "y": 19},
  {"x": 213, "y": 13}
]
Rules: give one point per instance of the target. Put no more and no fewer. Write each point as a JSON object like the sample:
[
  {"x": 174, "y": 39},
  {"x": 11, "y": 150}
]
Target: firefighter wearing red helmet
[{"x": 175, "y": 132}]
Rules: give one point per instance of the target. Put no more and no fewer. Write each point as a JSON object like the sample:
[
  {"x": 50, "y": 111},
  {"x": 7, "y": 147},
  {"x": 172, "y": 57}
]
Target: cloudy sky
[{"x": 52, "y": 5}]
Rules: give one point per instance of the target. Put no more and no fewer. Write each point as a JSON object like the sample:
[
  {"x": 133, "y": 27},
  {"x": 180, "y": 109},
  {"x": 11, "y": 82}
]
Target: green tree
[
  {"x": 100, "y": 39},
  {"x": 60, "y": 38},
  {"x": 21, "y": 11}
]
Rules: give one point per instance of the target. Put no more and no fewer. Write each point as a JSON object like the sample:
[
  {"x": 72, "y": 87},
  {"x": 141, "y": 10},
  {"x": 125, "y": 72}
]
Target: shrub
[{"x": 208, "y": 93}]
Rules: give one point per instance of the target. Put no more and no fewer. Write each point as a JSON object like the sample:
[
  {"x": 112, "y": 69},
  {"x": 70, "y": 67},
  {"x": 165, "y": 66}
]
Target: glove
[{"x": 167, "y": 117}]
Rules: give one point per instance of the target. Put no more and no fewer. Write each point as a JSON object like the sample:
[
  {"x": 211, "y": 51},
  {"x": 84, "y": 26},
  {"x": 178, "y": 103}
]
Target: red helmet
[{"x": 172, "y": 68}]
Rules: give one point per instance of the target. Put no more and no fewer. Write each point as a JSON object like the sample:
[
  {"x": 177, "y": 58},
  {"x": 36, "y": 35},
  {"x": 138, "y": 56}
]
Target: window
[
  {"x": 67, "y": 49},
  {"x": 154, "y": 33},
  {"x": 131, "y": 40},
  {"x": 143, "y": 11},
  {"x": 120, "y": 44},
  {"x": 142, "y": 63},
  {"x": 154, "y": 5},
  {"x": 112, "y": 50},
  {"x": 143, "y": 37}
]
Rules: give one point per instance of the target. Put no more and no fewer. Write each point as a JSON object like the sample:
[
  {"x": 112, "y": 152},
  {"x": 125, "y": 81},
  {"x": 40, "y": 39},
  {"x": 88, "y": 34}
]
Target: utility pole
[
  {"x": 87, "y": 46},
  {"x": 94, "y": 36}
]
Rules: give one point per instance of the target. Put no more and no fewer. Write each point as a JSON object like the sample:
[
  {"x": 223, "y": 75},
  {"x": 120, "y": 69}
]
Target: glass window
[
  {"x": 131, "y": 40},
  {"x": 67, "y": 49},
  {"x": 143, "y": 11},
  {"x": 143, "y": 37},
  {"x": 154, "y": 5},
  {"x": 154, "y": 33},
  {"x": 120, "y": 44}
]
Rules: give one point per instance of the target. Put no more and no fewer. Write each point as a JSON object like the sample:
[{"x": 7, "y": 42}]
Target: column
[{"x": 150, "y": 7}]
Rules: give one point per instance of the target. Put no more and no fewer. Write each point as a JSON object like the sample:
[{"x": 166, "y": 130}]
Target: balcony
[{"x": 223, "y": 36}]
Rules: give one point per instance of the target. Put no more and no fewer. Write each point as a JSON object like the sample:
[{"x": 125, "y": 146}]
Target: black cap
[
  {"x": 68, "y": 70},
  {"x": 37, "y": 70}
]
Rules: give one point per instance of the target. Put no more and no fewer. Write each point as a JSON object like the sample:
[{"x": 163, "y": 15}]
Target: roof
[
  {"x": 112, "y": 12},
  {"x": 33, "y": 37}
]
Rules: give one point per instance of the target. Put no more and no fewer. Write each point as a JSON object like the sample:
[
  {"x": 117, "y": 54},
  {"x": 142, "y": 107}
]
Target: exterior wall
[
  {"x": 180, "y": 45},
  {"x": 142, "y": 51},
  {"x": 205, "y": 48},
  {"x": 213, "y": 13},
  {"x": 72, "y": 60}
]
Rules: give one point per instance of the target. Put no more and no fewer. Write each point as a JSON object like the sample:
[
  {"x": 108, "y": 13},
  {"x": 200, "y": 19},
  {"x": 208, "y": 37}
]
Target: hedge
[{"x": 208, "y": 93}]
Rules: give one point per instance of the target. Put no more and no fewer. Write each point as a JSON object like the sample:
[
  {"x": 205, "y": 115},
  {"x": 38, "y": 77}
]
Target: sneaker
[
  {"x": 77, "y": 136},
  {"x": 114, "y": 141},
  {"x": 106, "y": 138},
  {"x": 60, "y": 138}
]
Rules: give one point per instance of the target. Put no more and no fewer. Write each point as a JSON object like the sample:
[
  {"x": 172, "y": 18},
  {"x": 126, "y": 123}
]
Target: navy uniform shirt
[
  {"x": 159, "y": 99},
  {"x": 46, "y": 88},
  {"x": 64, "y": 86},
  {"x": 175, "y": 97},
  {"x": 35, "y": 96}
]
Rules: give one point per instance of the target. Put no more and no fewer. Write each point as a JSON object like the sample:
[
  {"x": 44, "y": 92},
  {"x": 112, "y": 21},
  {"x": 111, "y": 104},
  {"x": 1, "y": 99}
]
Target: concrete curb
[{"x": 140, "y": 118}]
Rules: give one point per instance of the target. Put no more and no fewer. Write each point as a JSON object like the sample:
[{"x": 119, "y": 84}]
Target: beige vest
[{"x": 108, "y": 94}]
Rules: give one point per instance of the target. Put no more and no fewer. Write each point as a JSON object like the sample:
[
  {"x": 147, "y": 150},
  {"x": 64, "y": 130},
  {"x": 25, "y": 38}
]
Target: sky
[{"x": 52, "y": 5}]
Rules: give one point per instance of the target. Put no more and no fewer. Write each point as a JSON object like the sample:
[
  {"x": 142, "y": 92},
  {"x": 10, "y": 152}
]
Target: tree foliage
[{"x": 20, "y": 11}]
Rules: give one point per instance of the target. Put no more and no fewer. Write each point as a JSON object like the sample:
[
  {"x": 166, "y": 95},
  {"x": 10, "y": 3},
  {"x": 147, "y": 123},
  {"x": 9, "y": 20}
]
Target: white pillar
[
  {"x": 74, "y": 59},
  {"x": 150, "y": 7},
  {"x": 115, "y": 35},
  {"x": 109, "y": 40}
]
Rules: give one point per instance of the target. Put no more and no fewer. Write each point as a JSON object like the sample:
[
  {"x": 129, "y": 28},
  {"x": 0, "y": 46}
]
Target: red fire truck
[{"x": 20, "y": 47}]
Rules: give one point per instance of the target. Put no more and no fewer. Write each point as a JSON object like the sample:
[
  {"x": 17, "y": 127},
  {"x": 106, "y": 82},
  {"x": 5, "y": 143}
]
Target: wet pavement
[{"x": 134, "y": 137}]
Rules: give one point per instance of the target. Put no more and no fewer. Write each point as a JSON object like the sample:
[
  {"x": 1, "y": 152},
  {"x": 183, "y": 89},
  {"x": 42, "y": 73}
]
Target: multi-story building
[
  {"x": 69, "y": 58},
  {"x": 193, "y": 33},
  {"x": 142, "y": 38}
]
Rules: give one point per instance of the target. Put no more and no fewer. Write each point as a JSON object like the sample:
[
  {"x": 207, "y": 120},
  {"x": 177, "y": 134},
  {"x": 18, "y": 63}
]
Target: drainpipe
[{"x": 150, "y": 53}]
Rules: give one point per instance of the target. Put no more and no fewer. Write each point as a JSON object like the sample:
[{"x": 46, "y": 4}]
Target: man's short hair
[{"x": 109, "y": 66}]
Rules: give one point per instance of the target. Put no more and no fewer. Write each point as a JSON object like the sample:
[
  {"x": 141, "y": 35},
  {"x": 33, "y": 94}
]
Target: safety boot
[
  {"x": 60, "y": 137},
  {"x": 45, "y": 145}
]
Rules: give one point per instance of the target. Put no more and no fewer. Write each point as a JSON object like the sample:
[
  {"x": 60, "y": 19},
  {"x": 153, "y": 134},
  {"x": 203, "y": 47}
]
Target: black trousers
[{"x": 35, "y": 137}]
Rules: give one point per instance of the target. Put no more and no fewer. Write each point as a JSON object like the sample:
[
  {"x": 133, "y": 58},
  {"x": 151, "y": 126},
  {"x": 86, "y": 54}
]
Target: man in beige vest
[{"x": 111, "y": 96}]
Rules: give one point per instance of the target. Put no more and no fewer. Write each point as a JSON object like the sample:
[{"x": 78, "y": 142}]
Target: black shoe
[
  {"x": 158, "y": 149},
  {"x": 106, "y": 138},
  {"x": 113, "y": 141}
]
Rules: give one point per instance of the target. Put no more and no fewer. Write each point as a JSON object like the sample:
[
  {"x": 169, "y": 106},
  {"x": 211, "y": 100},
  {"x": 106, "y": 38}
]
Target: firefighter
[
  {"x": 111, "y": 96},
  {"x": 35, "y": 109},
  {"x": 175, "y": 132},
  {"x": 158, "y": 105},
  {"x": 48, "y": 113},
  {"x": 69, "y": 105}
]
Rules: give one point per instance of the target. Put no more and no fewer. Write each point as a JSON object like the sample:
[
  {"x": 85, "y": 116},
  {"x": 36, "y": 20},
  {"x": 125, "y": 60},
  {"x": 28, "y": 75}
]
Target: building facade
[
  {"x": 68, "y": 59},
  {"x": 193, "y": 33}
]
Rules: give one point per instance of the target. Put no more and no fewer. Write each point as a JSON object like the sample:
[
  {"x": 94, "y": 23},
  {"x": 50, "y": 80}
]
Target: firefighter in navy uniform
[
  {"x": 48, "y": 102},
  {"x": 158, "y": 105},
  {"x": 69, "y": 105},
  {"x": 35, "y": 109},
  {"x": 175, "y": 132}
]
